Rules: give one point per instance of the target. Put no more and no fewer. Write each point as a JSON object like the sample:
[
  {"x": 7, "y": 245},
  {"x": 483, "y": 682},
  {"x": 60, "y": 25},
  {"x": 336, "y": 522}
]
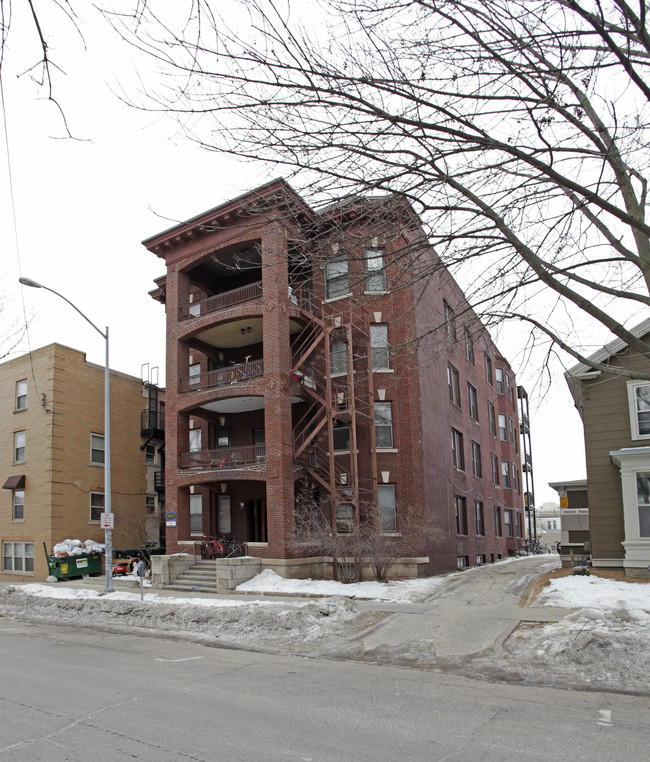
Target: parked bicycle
[
  {"x": 535, "y": 546},
  {"x": 222, "y": 547}
]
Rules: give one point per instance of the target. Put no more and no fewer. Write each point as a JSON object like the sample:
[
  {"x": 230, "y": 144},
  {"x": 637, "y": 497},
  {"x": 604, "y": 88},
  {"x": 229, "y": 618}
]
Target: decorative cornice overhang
[{"x": 275, "y": 195}]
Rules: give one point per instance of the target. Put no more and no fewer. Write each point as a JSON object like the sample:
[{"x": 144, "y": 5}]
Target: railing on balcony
[
  {"x": 225, "y": 458},
  {"x": 222, "y": 301},
  {"x": 152, "y": 423},
  {"x": 234, "y": 374}
]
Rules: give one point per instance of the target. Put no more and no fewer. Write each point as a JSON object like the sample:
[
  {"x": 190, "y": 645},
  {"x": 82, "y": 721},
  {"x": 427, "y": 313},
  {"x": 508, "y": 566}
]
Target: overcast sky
[{"x": 83, "y": 206}]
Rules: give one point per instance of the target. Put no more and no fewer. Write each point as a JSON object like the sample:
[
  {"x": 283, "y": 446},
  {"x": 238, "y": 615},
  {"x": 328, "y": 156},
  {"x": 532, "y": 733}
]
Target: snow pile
[
  {"x": 595, "y": 592},
  {"x": 257, "y": 624},
  {"x": 77, "y": 548},
  {"x": 404, "y": 591}
]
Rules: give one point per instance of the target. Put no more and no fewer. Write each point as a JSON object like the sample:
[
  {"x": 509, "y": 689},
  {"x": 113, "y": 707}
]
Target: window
[
  {"x": 379, "y": 347},
  {"x": 472, "y": 398},
  {"x": 97, "y": 446},
  {"x": 344, "y": 518},
  {"x": 488, "y": 370},
  {"x": 149, "y": 504},
  {"x": 639, "y": 403},
  {"x": 18, "y": 556},
  {"x": 450, "y": 321},
  {"x": 457, "y": 453},
  {"x": 498, "y": 530},
  {"x": 511, "y": 429},
  {"x": 338, "y": 357},
  {"x": 387, "y": 507},
  {"x": 195, "y": 374},
  {"x": 18, "y": 505},
  {"x": 505, "y": 474},
  {"x": 224, "y": 514},
  {"x": 462, "y": 562},
  {"x": 495, "y": 468},
  {"x": 375, "y": 272},
  {"x": 460, "y": 505},
  {"x": 501, "y": 385},
  {"x": 454, "y": 385},
  {"x": 480, "y": 519},
  {"x": 477, "y": 468},
  {"x": 150, "y": 454},
  {"x": 195, "y": 440},
  {"x": 383, "y": 425},
  {"x": 480, "y": 559},
  {"x": 19, "y": 446},
  {"x": 96, "y": 505},
  {"x": 503, "y": 427},
  {"x": 508, "y": 387},
  {"x": 341, "y": 436},
  {"x": 519, "y": 524},
  {"x": 222, "y": 436},
  {"x": 469, "y": 346},
  {"x": 196, "y": 514},
  {"x": 515, "y": 477},
  {"x": 643, "y": 503},
  {"x": 492, "y": 420},
  {"x": 259, "y": 437},
  {"x": 21, "y": 395},
  {"x": 507, "y": 520},
  {"x": 337, "y": 277}
]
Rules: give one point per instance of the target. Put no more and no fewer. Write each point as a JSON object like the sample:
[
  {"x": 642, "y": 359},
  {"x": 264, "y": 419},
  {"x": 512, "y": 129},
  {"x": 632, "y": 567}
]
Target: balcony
[
  {"x": 222, "y": 301},
  {"x": 152, "y": 424},
  {"x": 235, "y": 374},
  {"x": 252, "y": 457}
]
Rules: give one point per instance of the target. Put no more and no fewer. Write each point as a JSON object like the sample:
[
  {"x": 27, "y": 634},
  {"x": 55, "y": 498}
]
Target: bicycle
[{"x": 222, "y": 547}]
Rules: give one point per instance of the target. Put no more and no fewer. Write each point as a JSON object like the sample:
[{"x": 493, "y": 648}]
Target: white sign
[
  {"x": 574, "y": 511},
  {"x": 107, "y": 520}
]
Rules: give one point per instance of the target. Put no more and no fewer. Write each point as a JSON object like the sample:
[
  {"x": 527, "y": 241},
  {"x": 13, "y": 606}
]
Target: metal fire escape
[
  {"x": 527, "y": 462},
  {"x": 337, "y": 401}
]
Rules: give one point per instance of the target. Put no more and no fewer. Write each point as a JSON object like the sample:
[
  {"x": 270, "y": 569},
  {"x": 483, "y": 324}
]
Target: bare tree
[{"x": 518, "y": 129}]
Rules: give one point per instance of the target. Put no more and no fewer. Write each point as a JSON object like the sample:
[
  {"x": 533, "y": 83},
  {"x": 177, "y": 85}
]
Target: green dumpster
[{"x": 68, "y": 567}]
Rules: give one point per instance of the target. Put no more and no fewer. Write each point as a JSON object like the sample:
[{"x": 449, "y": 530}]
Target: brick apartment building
[
  {"x": 52, "y": 430},
  {"x": 304, "y": 348}
]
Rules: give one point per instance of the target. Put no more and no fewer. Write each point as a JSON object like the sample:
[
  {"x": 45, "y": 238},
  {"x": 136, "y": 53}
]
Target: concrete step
[{"x": 192, "y": 587}]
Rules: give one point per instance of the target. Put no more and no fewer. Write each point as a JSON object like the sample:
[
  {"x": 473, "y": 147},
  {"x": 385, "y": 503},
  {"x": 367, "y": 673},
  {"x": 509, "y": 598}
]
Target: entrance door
[{"x": 256, "y": 513}]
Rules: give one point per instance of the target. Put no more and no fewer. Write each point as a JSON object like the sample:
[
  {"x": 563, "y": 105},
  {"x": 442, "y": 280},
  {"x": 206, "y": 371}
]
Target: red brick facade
[{"x": 305, "y": 346}]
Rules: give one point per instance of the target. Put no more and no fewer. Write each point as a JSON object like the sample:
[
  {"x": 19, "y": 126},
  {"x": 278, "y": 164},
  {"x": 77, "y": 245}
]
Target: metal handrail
[
  {"x": 234, "y": 374},
  {"x": 224, "y": 458},
  {"x": 222, "y": 301}
]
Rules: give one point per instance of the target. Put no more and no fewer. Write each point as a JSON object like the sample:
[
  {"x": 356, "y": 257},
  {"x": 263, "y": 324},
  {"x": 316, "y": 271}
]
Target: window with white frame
[
  {"x": 501, "y": 384},
  {"x": 457, "y": 451},
  {"x": 224, "y": 514},
  {"x": 469, "y": 345},
  {"x": 472, "y": 399},
  {"x": 492, "y": 419},
  {"x": 508, "y": 523},
  {"x": 195, "y": 374},
  {"x": 638, "y": 393},
  {"x": 21, "y": 395},
  {"x": 480, "y": 519},
  {"x": 453, "y": 383},
  {"x": 338, "y": 357},
  {"x": 511, "y": 430},
  {"x": 337, "y": 276},
  {"x": 97, "y": 449},
  {"x": 196, "y": 514},
  {"x": 643, "y": 503},
  {"x": 18, "y": 513},
  {"x": 375, "y": 270},
  {"x": 195, "y": 440},
  {"x": 149, "y": 504},
  {"x": 495, "y": 468},
  {"x": 488, "y": 370},
  {"x": 150, "y": 453},
  {"x": 19, "y": 446},
  {"x": 477, "y": 468},
  {"x": 18, "y": 556},
  {"x": 515, "y": 477},
  {"x": 387, "y": 507},
  {"x": 505, "y": 474},
  {"x": 383, "y": 425},
  {"x": 503, "y": 427},
  {"x": 344, "y": 518},
  {"x": 379, "y": 347},
  {"x": 96, "y": 505}
]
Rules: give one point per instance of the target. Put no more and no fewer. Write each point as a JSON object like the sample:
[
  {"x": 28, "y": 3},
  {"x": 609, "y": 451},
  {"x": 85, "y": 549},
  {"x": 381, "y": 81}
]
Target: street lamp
[{"x": 108, "y": 532}]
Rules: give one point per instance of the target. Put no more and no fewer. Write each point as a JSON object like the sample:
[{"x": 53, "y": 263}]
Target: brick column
[{"x": 277, "y": 396}]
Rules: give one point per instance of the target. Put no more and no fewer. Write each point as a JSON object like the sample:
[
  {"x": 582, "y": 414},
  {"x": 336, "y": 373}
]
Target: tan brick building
[
  {"x": 52, "y": 471},
  {"x": 304, "y": 348}
]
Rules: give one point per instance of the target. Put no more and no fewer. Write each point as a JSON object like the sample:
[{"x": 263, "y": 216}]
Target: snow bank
[{"x": 595, "y": 592}]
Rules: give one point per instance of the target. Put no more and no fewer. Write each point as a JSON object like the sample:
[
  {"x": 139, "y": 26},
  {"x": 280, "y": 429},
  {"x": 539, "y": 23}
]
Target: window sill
[
  {"x": 383, "y": 370},
  {"x": 96, "y": 465},
  {"x": 17, "y": 521},
  {"x": 376, "y": 293},
  {"x": 22, "y": 410},
  {"x": 333, "y": 299},
  {"x": 387, "y": 449},
  {"x": 94, "y": 521},
  {"x": 22, "y": 573}
]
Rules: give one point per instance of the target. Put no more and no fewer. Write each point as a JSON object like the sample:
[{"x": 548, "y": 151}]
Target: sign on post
[{"x": 107, "y": 520}]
